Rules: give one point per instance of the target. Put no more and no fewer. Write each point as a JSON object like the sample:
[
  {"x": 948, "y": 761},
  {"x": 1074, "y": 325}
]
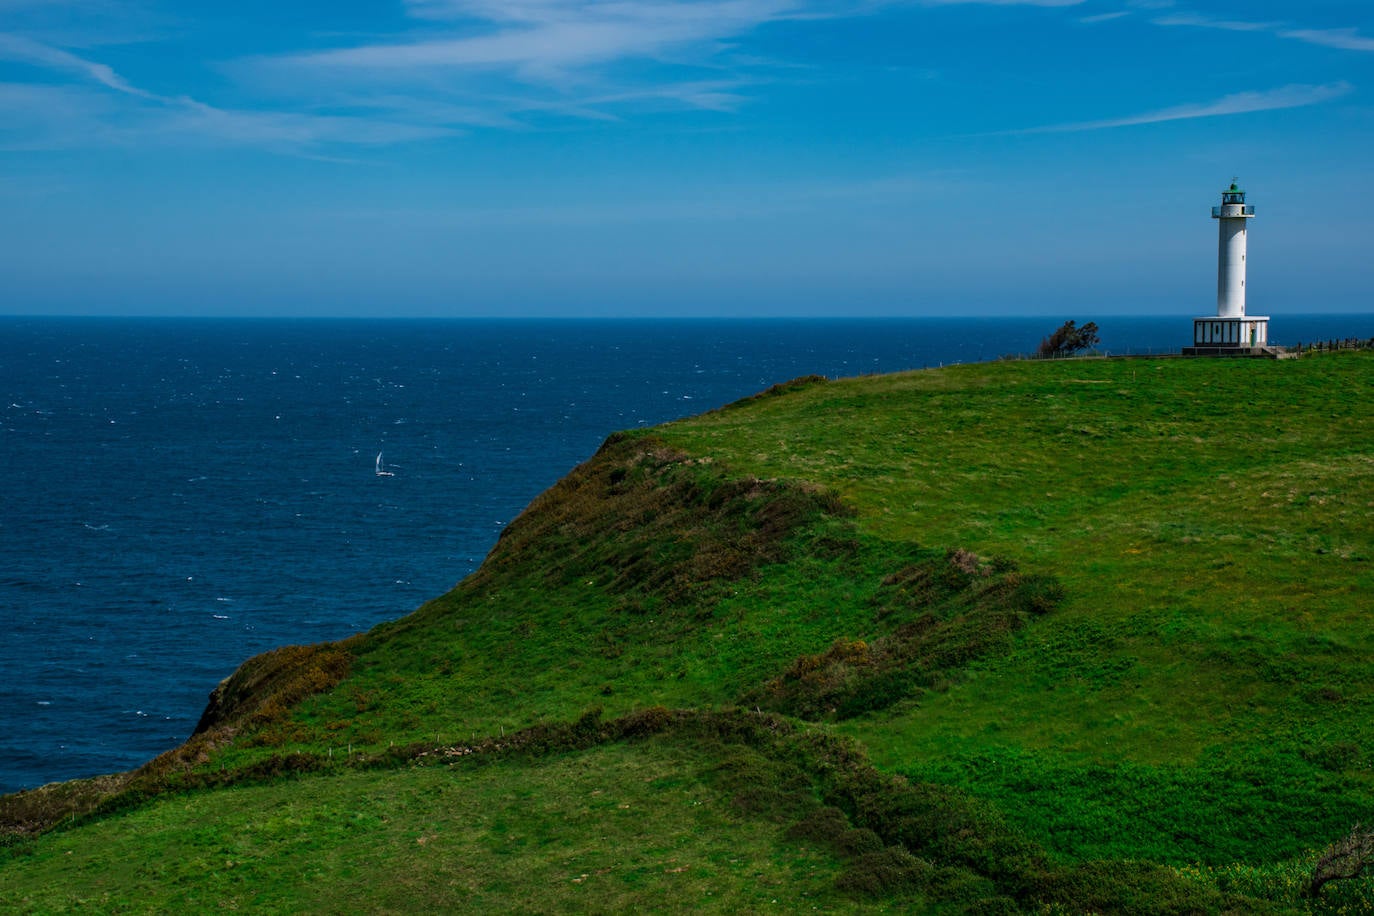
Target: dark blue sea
[{"x": 177, "y": 495}]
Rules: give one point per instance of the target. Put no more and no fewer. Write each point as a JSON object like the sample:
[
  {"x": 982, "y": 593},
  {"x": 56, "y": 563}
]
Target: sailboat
[{"x": 381, "y": 468}]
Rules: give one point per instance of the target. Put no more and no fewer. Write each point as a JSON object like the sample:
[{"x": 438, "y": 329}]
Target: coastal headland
[{"x": 1023, "y": 636}]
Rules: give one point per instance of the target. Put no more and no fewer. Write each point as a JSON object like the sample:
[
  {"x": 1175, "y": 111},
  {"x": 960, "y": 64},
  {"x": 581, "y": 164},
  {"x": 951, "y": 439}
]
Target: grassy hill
[{"x": 1010, "y": 637}]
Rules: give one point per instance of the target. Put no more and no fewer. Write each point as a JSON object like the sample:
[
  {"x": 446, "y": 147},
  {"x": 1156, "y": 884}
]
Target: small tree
[
  {"x": 1346, "y": 858},
  {"x": 1068, "y": 340}
]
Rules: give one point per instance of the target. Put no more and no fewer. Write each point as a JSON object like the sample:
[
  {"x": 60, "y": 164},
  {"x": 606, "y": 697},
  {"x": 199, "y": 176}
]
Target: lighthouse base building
[
  {"x": 1216, "y": 336},
  {"x": 1231, "y": 332}
]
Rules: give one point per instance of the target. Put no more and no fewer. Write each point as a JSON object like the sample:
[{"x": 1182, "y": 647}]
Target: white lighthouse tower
[{"x": 1231, "y": 331}]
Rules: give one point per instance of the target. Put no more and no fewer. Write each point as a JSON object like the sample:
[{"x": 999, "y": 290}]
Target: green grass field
[
  {"x": 1212, "y": 524},
  {"x": 611, "y": 828},
  {"x": 1070, "y": 636}
]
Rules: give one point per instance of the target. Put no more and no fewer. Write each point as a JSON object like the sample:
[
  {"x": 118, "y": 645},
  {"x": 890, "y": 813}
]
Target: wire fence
[{"x": 1301, "y": 348}]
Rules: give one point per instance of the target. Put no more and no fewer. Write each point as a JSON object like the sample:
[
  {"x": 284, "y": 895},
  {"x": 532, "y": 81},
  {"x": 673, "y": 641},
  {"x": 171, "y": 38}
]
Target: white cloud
[
  {"x": 570, "y": 56},
  {"x": 523, "y": 61},
  {"x": 1345, "y": 39},
  {"x": 549, "y": 48},
  {"x": 57, "y": 116},
  {"x": 1229, "y": 25},
  {"x": 717, "y": 95},
  {"x": 1294, "y": 96},
  {"x": 512, "y": 64},
  {"x": 1104, "y": 17},
  {"x": 289, "y": 130},
  {"x": 26, "y": 51},
  {"x": 476, "y": 63},
  {"x": 548, "y": 41}
]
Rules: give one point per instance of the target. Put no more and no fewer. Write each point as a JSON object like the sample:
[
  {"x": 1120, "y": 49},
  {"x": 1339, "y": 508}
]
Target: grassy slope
[
  {"x": 1201, "y": 694},
  {"x": 612, "y": 828},
  {"x": 1211, "y": 524}
]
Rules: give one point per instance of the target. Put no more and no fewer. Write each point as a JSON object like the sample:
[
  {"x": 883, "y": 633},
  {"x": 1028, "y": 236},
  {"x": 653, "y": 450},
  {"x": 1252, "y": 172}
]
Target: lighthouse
[{"x": 1231, "y": 331}]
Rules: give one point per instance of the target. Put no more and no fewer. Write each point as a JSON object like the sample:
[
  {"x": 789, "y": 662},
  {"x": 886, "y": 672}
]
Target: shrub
[
  {"x": 890, "y": 871},
  {"x": 763, "y": 786},
  {"x": 829, "y": 827}
]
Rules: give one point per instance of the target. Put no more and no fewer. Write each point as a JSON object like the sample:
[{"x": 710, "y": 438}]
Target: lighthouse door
[{"x": 1254, "y": 332}]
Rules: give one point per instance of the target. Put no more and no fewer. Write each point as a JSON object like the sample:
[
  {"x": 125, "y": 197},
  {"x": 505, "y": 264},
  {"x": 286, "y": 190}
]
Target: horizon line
[{"x": 398, "y": 319}]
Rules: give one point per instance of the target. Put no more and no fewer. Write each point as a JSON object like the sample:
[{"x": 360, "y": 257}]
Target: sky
[{"x": 692, "y": 158}]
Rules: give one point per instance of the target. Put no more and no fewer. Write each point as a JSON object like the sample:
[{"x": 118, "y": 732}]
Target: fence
[{"x": 1330, "y": 346}]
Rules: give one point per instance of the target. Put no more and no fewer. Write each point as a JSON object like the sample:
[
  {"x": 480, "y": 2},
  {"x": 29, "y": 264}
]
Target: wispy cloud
[
  {"x": 455, "y": 65},
  {"x": 291, "y": 130},
  {"x": 450, "y": 66},
  {"x": 1346, "y": 39},
  {"x": 547, "y": 42},
  {"x": 519, "y": 63},
  {"x": 23, "y": 50},
  {"x": 1205, "y": 22},
  {"x": 1294, "y": 96},
  {"x": 56, "y": 116},
  {"x": 1104, "y": 17},
  {"x": 585, "y": 59}
]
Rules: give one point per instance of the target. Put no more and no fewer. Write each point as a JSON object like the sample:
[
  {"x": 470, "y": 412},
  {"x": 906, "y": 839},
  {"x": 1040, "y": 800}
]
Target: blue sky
[{"x": 711, "y": 157}]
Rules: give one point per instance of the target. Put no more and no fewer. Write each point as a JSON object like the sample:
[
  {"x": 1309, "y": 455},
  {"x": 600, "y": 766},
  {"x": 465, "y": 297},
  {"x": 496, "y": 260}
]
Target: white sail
[{"x": 381, "y": 469}]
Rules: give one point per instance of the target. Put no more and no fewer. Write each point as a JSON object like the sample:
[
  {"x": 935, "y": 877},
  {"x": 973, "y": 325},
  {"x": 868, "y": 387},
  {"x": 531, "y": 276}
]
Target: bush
[
  {"x": 763, "y": 786},
  {"x": 880, "y": 874},
  {"x": 829, "y": 827}
]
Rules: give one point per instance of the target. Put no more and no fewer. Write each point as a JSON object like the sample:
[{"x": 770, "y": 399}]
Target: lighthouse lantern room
[{"x": 1231, "y": 331}]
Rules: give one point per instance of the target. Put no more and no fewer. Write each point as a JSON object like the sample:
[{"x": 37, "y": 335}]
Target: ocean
[{"x": 180, "y": 494}]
